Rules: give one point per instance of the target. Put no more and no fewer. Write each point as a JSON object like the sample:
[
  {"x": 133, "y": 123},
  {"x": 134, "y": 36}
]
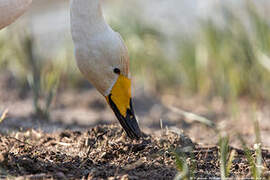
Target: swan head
[
  {"x": 102, "y": 57},
  {"x": 104, "y": 61}
]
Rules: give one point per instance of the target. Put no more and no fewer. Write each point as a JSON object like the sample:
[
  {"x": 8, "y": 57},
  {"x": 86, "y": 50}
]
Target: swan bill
[{"x": 128, "y": 122}]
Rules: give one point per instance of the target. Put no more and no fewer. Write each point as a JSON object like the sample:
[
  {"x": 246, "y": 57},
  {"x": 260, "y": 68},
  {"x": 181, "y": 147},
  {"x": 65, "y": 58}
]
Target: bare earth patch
[{"x": 106, "y": 152}]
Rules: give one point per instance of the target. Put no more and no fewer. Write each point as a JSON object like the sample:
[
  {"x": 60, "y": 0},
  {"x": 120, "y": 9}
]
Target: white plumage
[
  {"x": 98, "y": 49},
  {"x": 102, "y": 58},
  {"x": 10, "y": 10}
]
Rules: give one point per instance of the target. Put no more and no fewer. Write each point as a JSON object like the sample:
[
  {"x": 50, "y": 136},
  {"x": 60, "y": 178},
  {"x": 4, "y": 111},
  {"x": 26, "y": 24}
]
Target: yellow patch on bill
[{"x": 121, "y": 94}]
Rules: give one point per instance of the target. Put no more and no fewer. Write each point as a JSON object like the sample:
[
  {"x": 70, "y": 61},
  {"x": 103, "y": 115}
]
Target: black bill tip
[{"x": 129, "y": 123}]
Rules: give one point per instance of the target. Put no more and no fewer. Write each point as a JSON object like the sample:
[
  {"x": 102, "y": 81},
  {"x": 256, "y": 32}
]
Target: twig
[
  {"x": 4, "y": 115},
  {"x": 62, "y": 143},
  {"x": 19, "y": 141},
  {"x": 192, "y": 116}
]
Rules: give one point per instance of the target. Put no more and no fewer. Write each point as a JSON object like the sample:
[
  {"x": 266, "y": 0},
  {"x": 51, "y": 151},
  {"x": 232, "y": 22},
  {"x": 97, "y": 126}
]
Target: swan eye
[{"x": 116, "y": 71}]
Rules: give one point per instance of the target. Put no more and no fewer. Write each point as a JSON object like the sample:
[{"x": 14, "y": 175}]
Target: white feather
[
  {"x": 10, "y": 10},
  {"x": 98, "y": 49}
]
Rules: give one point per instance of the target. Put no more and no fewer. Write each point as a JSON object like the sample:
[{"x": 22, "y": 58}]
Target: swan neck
[{"x": 87, "y": 16}]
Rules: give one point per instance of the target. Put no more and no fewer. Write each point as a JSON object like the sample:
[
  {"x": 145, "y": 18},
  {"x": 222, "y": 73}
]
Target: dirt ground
[
  {"x": 105, "y": 152},
  {"x": 82, "y": 139}
]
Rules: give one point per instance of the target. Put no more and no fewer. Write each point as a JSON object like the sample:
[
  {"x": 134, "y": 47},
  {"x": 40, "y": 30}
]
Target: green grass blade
[{"x": 182, "y": 167}]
